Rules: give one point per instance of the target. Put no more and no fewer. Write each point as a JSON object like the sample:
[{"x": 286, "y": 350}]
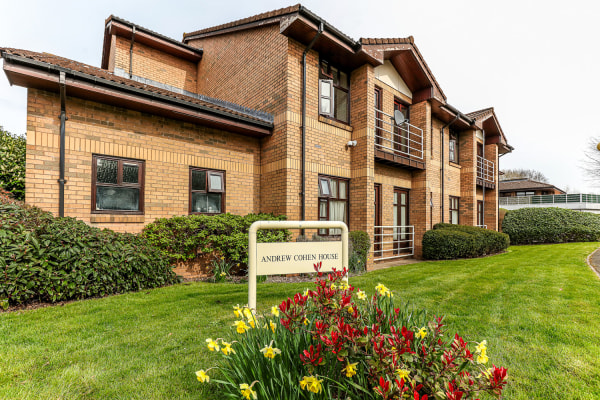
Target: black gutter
[
  {"x": 129, "y": 89},
  {"x": 315, "y": 18},
  {"x": 63, "y": 118},
  {"x": 303, "y": 192}
]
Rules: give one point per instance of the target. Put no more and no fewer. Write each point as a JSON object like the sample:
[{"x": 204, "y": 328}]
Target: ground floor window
[
  {"x": 454, "y": 210},
  {"x": 479, "y": 213},
  {"x": 207, "y": 191},
  {"x": 117, "y": 185},
  {"x": 333, "y": 202}
]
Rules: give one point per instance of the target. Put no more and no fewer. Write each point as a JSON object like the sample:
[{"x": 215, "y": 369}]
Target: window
[
  {"x": 333, "y": 202},
  {"x": 207, "y": 191},
  {"x": 453, "y": 146},
  {"x": 454, "y": 210},
  {"x": 334, "y": 101},
  {"x": 401, "y": 132},
  {"x": 117, "y": 185},
  {"x": 479, "y": 213}
]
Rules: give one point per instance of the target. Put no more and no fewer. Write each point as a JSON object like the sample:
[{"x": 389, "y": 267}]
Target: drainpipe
[
  {"x": 131, "y": 53},
  {"x": 483, "y": 186},
  {"x": 63, "y": 118},
  {"x": 303, "y": 192},
  {"x": 442, "y": 182}
]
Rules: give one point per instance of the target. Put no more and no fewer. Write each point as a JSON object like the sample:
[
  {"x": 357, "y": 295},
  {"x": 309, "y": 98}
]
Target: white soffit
[{"x": 387, "y": 74}]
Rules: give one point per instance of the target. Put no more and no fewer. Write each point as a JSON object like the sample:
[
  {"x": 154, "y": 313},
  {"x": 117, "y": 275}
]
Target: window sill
[
  {"x": 335, "y": 123},
  {"x": 116, "y": 218},
  {"x": 455, "y": 165}
]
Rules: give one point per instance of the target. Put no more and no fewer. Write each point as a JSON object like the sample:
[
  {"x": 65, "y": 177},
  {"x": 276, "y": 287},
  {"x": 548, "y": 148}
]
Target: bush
[
  {"x": 359, "y": 244},
  {"x": 182, "y": 238},
  {"x": 335, "y": 342},
  {"x": 54, "y": 259},
  {"x": 551, "y": 225},
  {"x": 448, "y": 241},
  {"x": 12, "y": 163}
]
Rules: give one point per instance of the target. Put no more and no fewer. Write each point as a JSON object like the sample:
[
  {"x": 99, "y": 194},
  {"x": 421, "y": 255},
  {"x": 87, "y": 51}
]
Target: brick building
[
  {"x": 279, "y": 112},
  {"x": 526, "y": 187}
]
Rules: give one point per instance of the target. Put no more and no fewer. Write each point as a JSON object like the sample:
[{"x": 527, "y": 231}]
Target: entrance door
[
  {"x": 400, "y": 211},
  {"x": 377, "y": 220}
]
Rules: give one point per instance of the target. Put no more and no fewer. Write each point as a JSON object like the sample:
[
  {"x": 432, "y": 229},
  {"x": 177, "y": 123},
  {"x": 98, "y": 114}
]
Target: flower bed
[{"x": 336, "y": 342}]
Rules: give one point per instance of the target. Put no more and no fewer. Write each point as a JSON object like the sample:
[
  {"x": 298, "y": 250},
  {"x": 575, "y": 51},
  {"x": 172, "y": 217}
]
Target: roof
[
  {"x": 480, "y": 113},
  {"x": 98, "y": 75},
  {"x": 524, "y": 184}
]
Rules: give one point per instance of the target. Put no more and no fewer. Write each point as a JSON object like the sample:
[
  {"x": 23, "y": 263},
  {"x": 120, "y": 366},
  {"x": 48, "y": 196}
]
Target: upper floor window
[
  {"x": 334, "y": 86},
  {"x": 333, "y": 202},
  {"x": 117, "y": 185},
  {"x": 453, "y": 146},
  {"x": 207, "y": 191}
]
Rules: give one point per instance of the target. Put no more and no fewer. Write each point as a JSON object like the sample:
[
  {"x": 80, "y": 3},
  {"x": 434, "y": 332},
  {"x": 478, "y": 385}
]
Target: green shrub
[
  {"x": 12, "y": 163},
  {"x": 448, "y": 241},
  {"x": 54, "y": 259},
  {"x": 182, "y": 238},
  {"x": 551, "y": 225},
  {"x": 359, "y": 243}
]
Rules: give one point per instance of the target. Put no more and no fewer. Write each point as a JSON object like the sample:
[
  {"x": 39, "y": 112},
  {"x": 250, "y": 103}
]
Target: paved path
[{"x": 593, "y": 261}]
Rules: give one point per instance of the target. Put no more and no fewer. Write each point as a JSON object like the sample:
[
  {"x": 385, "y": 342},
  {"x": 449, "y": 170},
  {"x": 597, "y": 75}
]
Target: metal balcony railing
[
  {"x": 550, "y": 199},
  {"x": 404, "y": 140},
  {"x": 485, "y": 170},
  {"x": 393, "y": 242}
]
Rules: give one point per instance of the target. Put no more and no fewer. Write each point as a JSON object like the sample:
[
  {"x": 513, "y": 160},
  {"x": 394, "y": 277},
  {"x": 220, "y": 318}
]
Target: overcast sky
[{"x": 536, "y": 62}]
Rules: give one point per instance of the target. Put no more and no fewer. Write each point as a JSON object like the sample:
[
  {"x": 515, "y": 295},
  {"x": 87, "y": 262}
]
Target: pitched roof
[
  {"x": 480, "y": 113},
  {"x": 524, "y": 184},
  {"x": 367, "y": 41},
  {"x": 68, "y": 65},
  {"x": 247, "y": 20}
]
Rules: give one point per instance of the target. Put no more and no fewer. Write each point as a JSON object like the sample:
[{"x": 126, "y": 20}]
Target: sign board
[
  {"x": 297, "y": 258},
  {"x": 293, "y": 258}
]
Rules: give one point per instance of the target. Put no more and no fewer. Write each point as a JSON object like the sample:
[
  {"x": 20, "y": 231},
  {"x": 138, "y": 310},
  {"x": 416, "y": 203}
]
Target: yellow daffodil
[
  {"x": 333, "y": 286},
  {"x": 383, "y": 290},
  {"x": 251, "y": 322},
  {"x": 223, "y": 273},
  {"x": 306, "y": 291},
  {"x": 311, "y": 384},
  {"x": 237, "y": 311},
  {"x": 275, "y": 311},
  {"x": 248, "y": 313},
  {"x": 361, "y": 295},
  {"x": 481, "y": 346},
  {"x": 227, "y": 349},
  {"x": 422, "y": 333},
  {"x": 247, "y": 391},
  {"x": 487, "y": 373},
  {"x": 212, "y": 344},
  {"x": 270, "y": 351},
  {"x": 344, "y": 285},
  {"x": 305, "y": 321},
  {"x": 202, "y": 376},
  {"x": 241, "y": 326},
  {"x": 350, "y": 310},
  {"x": 350, "y": 369},
  {"x": 482, "y": 358},
  {"x": 272, "y": 325},
  {"x": 403, "y": 374}
]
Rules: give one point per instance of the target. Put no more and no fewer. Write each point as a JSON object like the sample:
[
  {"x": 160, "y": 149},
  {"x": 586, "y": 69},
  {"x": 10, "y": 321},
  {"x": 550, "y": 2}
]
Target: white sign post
[{"x": 293, "y": 257}]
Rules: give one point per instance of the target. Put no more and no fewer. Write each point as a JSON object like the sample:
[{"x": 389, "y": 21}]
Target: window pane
[
  {"x": 334, "y": 72},
  {"x": 199, "y": 202},
  {"x": 333, "y": 183},
  {"x": 117, "y": 198},
  {"x": 342, "y": 189},
  {"x": 198, "y": 180},
  {"x": 403, "y": 199},
  {"x": 106, "y": 171},
  {"x": 337, "y": 212},
  {"x": 454, "y": 217},
  {"x": 323, "y": 210},
  {"x": 130, "y": 173},
  {"x": 343, "y": 80},
  {"x": 324, "y": 188},
  {"x": 341, "y": 105},
  {"x": 214, "y": 202},
  {"x": 215, "y": 182}
]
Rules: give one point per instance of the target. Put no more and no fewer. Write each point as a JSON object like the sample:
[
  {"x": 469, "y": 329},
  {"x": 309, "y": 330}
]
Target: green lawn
[{"x": 537, "y": 306}]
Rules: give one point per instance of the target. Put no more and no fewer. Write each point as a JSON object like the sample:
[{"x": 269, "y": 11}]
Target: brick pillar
[
  {"x": 491, "y": 195},
  {"x": 362, "y": 197},
  {"x": 422, "y": 181},
  {"x": 468, "y": 177}
]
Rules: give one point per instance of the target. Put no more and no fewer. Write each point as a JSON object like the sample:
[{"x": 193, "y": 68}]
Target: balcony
[
  {"x": 393, "y": 242},
  {"x": 486, "y": 175},
  {"x": 575, "y": 201},
  {"x": 398, "y": 145}
]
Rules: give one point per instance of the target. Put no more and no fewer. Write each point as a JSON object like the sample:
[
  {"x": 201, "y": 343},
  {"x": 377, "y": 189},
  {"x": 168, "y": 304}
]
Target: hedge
[
  {"x": 448, "y": 241},
  {"x": 12, "y": 163},
  {"x": 551, "y": 225},
  {"x": 43, "y": 258},
  {"x": 182, "y": 238},
  {"x": 359, "y": 243}
]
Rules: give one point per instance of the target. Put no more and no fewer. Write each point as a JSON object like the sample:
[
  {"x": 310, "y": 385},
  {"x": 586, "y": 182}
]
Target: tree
[
  {"x": 517, "y": 173},
  {"x": 12, "y": 163},
  {"x": 591, "y": 161}
]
